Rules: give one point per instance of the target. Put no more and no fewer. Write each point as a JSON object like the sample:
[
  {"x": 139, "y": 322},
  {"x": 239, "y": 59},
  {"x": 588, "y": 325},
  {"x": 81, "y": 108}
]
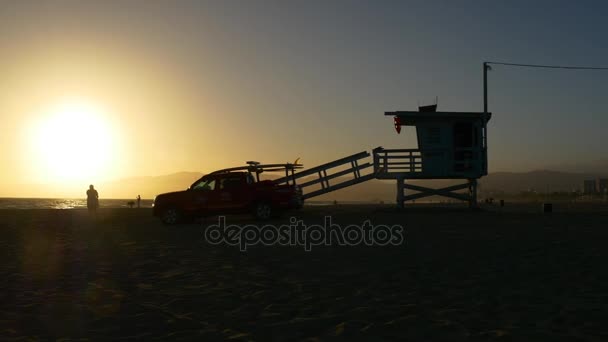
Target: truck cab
[{"x": 228, "y": 191}]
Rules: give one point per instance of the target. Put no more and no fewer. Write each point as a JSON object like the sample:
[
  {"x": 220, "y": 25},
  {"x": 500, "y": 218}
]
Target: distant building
[
  {"x": 589, "y": 187},
  {"x": 602, "y": 185}
]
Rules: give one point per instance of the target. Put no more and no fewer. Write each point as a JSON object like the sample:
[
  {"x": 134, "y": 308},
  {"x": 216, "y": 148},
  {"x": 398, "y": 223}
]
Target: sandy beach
[{"x": 504, "y": 274}]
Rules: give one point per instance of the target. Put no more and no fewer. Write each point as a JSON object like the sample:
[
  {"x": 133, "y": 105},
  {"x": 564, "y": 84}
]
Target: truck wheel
[
  {"x": 262, "y": 211},
  {"x": 170, "y": 216}
]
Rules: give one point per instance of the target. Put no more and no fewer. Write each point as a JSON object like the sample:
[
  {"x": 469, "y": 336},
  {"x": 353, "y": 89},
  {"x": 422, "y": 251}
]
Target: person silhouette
[
  {"x": 92, "y": 199},
  {"x": 138, "y": 200}
]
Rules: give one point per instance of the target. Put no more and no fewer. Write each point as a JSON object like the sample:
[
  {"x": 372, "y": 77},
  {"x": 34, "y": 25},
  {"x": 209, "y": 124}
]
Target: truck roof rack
[{"x": 257, "y": 168}]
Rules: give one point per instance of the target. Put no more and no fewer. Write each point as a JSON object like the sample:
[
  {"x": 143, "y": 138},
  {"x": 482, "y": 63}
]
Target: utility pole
[{"x": 486, "y": 67}]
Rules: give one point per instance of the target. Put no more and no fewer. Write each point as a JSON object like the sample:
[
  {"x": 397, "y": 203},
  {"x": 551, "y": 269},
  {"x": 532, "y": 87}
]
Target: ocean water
[
  {"x": 81, "y": 203},
  {"x": 66, "y": 203}
]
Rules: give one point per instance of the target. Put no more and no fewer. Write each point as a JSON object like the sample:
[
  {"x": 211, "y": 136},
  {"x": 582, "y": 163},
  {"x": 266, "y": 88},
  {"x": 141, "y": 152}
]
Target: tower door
[{"x": 466, "y": 147}]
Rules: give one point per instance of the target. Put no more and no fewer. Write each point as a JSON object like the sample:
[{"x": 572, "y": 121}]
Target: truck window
[
  {"x": 206, "y": 185},
  {"x": 230, "y": 182}
]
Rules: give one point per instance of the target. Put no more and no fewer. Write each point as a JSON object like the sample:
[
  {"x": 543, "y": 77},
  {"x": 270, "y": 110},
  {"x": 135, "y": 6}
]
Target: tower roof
[{"x": 412, "y": 117}]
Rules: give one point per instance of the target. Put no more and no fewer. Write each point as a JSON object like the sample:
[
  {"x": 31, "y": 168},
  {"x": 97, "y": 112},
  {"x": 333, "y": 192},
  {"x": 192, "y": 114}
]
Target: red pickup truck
[{"x": 227, "y": 192}]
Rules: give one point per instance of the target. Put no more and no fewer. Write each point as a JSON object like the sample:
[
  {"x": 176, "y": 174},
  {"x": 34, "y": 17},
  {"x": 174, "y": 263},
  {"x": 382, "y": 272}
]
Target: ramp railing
[{"x": 323, "y": 177}]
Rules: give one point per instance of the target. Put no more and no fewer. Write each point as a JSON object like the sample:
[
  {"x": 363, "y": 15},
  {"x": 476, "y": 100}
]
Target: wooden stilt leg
[
  {"x": 400, "y": 189},
  {"x": 473, "y": 193}
]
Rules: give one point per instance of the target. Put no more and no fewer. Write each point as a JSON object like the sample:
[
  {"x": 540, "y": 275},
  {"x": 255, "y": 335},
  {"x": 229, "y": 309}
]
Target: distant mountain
[
  {"x": 507, "y": 182},
  {"x": 374, "y": 190},
  {"x": 148, "y": 187},
  {"x": 541, "y": 181},
  {"x": 594, "y": 167}
]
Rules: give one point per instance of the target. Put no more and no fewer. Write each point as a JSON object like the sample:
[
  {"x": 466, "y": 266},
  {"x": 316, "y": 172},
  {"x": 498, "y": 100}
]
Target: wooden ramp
[
  {"x": 398, "y": 164},
  {"x": 322, "y": 175}
]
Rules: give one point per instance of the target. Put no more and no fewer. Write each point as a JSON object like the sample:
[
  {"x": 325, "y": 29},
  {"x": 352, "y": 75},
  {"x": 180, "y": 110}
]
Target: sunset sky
[{"x": 116, "y": 89}]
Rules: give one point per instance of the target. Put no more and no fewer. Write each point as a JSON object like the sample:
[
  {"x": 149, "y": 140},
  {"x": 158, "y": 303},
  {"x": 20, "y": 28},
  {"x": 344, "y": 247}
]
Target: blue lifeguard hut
[{"x": 451, "y": 145}]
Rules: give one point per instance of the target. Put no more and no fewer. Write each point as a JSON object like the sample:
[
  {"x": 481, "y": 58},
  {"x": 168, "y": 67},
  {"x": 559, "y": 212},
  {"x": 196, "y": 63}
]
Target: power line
[
  {"x": 486, "y": 66},
  {"x": 548, "y": 66}
]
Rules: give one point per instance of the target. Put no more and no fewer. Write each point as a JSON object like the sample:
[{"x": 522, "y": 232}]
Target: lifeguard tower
[{"x": 451, "y": 145}]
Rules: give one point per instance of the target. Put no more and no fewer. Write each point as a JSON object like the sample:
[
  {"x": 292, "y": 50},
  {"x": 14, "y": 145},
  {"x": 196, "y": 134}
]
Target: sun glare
[{"x": 74, "y": 143}]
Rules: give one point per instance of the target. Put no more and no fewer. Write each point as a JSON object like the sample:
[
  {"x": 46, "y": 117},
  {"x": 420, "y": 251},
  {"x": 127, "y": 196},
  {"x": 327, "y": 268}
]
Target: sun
[{"x": 73, "y": 142}]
